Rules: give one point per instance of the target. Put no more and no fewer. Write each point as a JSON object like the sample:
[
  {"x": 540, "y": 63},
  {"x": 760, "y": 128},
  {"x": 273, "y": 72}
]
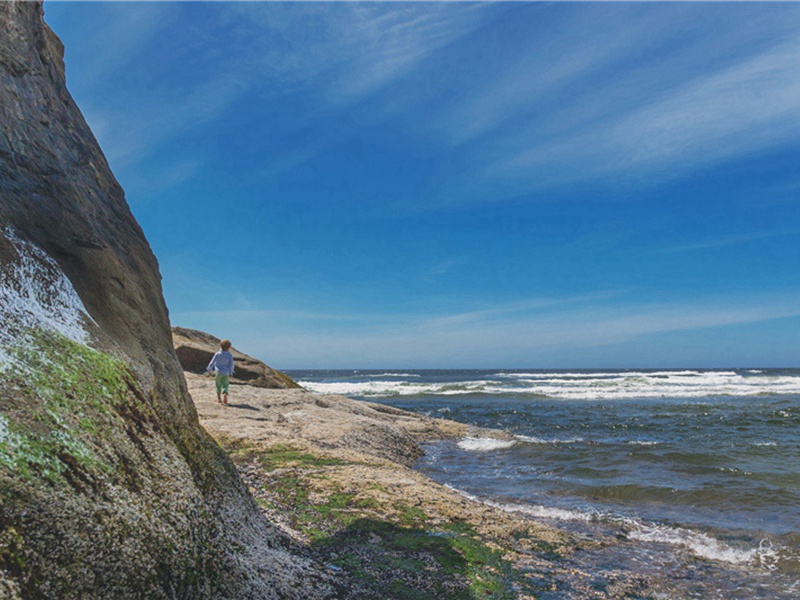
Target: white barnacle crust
[
  {"x": 35, "y": 294},
  {"x": 4, "y": 433}
]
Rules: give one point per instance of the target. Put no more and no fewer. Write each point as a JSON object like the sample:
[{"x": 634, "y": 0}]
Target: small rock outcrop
[{"x": 196, "y": 348}]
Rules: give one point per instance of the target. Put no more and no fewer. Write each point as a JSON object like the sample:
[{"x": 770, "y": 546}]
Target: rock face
[
  {"x": 196, "y": 348},
  {"x": 109, "y": 487}
]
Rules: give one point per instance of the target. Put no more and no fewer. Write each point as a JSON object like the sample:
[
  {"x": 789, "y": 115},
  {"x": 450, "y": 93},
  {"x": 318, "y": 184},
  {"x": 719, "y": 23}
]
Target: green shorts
[{"x": 222, "y": 381}]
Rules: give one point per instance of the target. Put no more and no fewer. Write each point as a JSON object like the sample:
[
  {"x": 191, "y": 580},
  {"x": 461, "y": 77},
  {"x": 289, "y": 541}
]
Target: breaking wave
[
  {"x": 765, "y": 554},
  {"x": 571, "y": 385},
  {"x": 484, "y": 444}
]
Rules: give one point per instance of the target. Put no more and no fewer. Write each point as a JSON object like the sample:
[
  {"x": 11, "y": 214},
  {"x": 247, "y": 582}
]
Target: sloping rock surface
[
  {"x": 196, "y": 348},
  {"x": 109, "y": 486}
]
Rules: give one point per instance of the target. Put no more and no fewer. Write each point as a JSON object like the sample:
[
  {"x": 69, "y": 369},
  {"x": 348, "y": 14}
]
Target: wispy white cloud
[
  {"x": 132, "y": 132},
  {"x": 731, "y": 240},
  {"x": 600, "y": 92},
  {"x": 537, "y": 331},
  {"x": 163, "y": 177},
  {"x": 630, "y": 93},
  {"x": 382, "y": 45},
  {"x": 333, "y": 55},
  {"x": 746, "y": 108},
  {"x": 283, "y": 315},
  {"x": 107, "y": 50},
  {"x": 576, "y": 48}
]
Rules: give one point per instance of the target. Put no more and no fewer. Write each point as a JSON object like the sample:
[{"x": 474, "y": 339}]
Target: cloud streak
[
  {"x": 745, "y": 109},
  {"x": 581, "y": 106},
  {"x": 537, "y": 331},
  {"x": 332, "y": 55},
  {"x": 732, "y": 240}
]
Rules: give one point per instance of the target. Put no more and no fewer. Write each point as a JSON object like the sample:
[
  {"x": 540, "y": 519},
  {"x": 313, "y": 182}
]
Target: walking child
[{"x": 222, "y": 364}]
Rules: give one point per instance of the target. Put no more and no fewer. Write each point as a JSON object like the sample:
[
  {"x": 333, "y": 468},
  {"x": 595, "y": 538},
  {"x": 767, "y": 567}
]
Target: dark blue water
[{"x": 699, "y": 465}]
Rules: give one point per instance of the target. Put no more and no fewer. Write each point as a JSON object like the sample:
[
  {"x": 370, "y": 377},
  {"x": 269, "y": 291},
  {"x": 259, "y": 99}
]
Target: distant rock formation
[
  {"x": 196, "y": 348},
  {"x": 109, "y": 487}
]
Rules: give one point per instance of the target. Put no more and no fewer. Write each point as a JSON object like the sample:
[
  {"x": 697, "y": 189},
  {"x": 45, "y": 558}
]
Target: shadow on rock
[{"x": 385, "y": 560}]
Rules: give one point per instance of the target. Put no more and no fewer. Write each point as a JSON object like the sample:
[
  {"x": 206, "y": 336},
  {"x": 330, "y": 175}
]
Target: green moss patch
[
  {"x": 61, "y": 396},
  {"x": 388, "y": 547},
  {"x": 281, "y": 456},
  {"x": 416, "y": 563}
]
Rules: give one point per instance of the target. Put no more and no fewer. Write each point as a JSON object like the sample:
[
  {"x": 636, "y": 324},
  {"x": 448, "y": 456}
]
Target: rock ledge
[{"x": 195, "y": 349}]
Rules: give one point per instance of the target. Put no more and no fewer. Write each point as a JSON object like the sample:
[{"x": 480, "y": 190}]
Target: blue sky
[{"x": 374, "y": 185}]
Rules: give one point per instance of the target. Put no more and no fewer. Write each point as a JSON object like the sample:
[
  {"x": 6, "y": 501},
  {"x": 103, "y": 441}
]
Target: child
[{"x": 222, "y": 363}]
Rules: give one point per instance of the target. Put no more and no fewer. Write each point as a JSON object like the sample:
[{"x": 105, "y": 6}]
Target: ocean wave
[
  {"x": 571, "y": 386},
  {"x": 556, "y": 375},
  {"x": 389, "y": 374},
  {"x": 643, "y": 443},
  {"x": 766, "y": 554},
  {"x": 484, "y": 444},
  {"x": 546, "y": 512},
  {"x": 389, "y": 389},
  {"x": 703, "y": 545},
  {"x": 529, "y": 439},
  {"x": 532, "y": 510}
]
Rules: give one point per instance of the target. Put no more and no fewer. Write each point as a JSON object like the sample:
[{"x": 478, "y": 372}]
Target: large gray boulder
[
  {"x": 109, "y": 487},
  {"x": 196, "y": 348}
]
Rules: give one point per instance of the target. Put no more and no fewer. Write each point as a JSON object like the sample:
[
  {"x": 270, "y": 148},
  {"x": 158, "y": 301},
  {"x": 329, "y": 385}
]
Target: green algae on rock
[{"x": 62, "y": 397}]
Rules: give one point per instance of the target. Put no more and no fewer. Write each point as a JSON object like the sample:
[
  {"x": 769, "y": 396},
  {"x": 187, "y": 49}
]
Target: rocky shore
[{"x": 336, "y": 475}]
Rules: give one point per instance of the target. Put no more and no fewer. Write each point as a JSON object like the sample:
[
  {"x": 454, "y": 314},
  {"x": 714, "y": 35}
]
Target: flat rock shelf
[{"x": 336, "y": 475}]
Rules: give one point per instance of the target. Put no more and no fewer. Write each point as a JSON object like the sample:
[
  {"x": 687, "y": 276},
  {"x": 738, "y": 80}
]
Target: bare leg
[
  {"x": 219, "y": 398},
  {"x": 224, "y": 398}
]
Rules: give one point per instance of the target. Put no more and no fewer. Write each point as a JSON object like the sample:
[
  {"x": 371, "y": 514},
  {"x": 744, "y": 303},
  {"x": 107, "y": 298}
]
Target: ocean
[{"x": 696, "y": 472}]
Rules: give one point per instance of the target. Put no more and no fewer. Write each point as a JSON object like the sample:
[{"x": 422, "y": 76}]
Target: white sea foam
[
  {"x": 386, "y": 388},
  {"x": 702, "y": 544},
  {"x": 577, "y": 386},
  {"x": 484, "y": 444},
  {"x": 407, "y": 375},
  {"x": 529, "y": 439},
  {"x": 643, "y": 443},
  {"x": 545, "y": 512},
  {"x": 765, "y": 555},
  {"x": 531, "y": 510},
  {"x": 557, "y": 375}
]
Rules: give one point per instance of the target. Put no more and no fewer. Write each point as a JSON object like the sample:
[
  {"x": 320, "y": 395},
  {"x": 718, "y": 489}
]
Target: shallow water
[{"x": 698, "y": 471}]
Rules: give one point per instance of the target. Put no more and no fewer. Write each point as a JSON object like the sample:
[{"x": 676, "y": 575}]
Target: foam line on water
[
  {"x": 571, "y": 386},
  {"x": 765, "y": 555},
  {"x": 529, "y": 439},
  {"x": 543, "y": 512},
  {"x": 704, "y": 545},
  {"x": 484, "y": 444}
]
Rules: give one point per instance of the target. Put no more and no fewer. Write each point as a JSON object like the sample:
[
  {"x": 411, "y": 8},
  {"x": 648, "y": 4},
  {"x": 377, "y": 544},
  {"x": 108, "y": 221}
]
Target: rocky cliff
[
  {"x": 196, "y": 348},
  {"x": 109, "y": 488}
]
